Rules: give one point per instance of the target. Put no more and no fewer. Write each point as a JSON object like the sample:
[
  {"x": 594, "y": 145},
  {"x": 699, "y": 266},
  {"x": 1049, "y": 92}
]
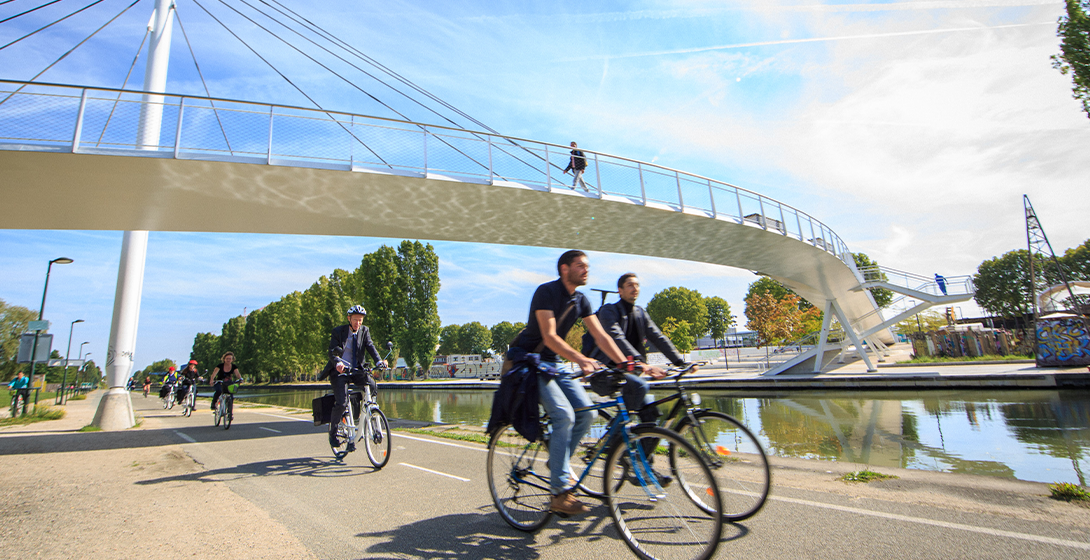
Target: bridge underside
[{"x": 44, "y": 190}]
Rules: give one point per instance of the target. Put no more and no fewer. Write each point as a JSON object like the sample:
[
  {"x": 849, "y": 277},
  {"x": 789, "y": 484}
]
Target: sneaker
[
  {"x": 565, "y": 504},
  {"x": 334, "y": 442},
  {"x": 351, "y": 447}
]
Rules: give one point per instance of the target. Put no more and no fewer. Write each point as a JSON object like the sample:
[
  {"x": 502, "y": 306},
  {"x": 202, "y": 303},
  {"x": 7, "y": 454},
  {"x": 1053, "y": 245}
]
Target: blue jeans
[{"x": 560, "y": 397}]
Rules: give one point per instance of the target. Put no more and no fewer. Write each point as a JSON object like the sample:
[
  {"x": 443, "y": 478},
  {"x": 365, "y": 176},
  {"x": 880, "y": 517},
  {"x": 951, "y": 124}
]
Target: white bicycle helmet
[{"x": 357, "y": 310}]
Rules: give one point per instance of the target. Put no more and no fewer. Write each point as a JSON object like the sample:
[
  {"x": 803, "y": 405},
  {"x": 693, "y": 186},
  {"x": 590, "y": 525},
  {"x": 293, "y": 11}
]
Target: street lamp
[
  {"x": 79, "y": 380},
  {"x": 67, "y": 359},
  {"x": 41, "y": 311}
]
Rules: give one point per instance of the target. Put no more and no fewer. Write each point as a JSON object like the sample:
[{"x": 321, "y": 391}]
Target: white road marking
[
  {"x": 185, "y": 437},
  {"x": 943, "y": 524},
  {"x": 270, "y": 429},
  {"x": 436, "y": 472},
  {"x": 285, "y": 417},
  {"x": 442, "y": 443}
]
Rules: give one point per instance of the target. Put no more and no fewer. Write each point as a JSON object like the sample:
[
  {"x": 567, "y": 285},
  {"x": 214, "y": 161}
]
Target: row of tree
[
  {"x": 1003, "y": 283},
  {"x": 14, "y": 321},
  {"x": 288, "y": 339}
]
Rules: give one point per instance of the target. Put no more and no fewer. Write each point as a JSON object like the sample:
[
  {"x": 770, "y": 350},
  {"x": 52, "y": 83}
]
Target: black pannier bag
[{"x": 322, "y": 407}]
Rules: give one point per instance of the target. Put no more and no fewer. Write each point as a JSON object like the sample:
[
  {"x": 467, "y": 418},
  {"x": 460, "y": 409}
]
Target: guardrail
[{"x": 91, "y": 120}]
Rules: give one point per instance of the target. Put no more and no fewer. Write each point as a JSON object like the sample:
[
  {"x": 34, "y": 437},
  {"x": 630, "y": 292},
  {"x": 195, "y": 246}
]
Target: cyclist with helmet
[
  {"x": 226, "y": 369},
  {"x": 189, "y": 376},
  {"x": 169, "y": 382},
  {"x": 347, "y": 346}
]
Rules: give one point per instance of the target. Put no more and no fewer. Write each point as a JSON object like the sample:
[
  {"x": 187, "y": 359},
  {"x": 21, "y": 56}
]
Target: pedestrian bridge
[{"x": 71, "y": 160}]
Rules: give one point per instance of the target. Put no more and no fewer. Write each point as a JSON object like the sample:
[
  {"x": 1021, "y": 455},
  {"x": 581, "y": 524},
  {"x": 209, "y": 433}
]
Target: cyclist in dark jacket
[{"x": 347, "y": 345}]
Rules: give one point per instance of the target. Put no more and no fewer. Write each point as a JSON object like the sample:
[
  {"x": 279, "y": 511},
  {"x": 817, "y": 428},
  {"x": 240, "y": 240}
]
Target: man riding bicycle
[
  {"x": 347, "y": 345},
  {"x": 20, "y": 386}
]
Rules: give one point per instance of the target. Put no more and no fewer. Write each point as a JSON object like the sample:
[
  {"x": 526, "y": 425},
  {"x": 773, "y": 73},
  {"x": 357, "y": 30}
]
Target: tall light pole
[
  {"x": 67, "y": 359},
  {"x": 83, "y": 369},
  {"x": 41, "y": 311}
]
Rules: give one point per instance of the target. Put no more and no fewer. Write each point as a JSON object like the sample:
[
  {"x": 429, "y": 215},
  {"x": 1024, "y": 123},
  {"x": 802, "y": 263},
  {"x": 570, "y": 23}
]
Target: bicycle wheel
[
  {"x": 592, "y": 483},
  {"x": 518, "y": 478},
  {"x": 658, "y": 519},
  {"x": 16, "y": 404},
  {"x": 217, "y": 412},
  {"x": 228, "y": 412},
  {"x": 344, "y": 436},
  {"x": 735, "y": 456},
  {"x": 377, "y": 434}
]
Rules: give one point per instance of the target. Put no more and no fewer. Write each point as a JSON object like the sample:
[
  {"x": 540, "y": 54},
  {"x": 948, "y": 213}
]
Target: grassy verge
[
  {"x": 865, "y": 476},
  {"x": 450, "y": 432},
  {"x": 1069, "y": 492},
  {"x": 948, "y": 359},
  {"x": 36, "y": 414}
]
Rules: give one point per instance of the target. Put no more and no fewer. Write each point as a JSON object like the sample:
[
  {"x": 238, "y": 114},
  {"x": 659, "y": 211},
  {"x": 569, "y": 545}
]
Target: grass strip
[{"x": 865, "y": 476}]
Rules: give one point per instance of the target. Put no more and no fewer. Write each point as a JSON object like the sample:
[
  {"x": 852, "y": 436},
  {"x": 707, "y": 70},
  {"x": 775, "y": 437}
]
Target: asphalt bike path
[{"x": 432, "y": 501}]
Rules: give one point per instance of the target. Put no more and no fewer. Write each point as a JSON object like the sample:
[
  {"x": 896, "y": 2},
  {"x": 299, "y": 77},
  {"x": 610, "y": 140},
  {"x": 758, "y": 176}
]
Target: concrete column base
[{"x": 115, "y": 411}]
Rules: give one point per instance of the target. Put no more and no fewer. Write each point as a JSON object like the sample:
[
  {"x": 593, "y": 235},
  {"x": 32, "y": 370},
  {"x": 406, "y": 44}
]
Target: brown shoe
[{"x": 565, "y": 504}]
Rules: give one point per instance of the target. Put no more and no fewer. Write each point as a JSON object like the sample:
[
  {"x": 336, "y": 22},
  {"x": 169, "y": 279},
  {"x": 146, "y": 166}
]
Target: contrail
[{"x": 810, "y": 40}]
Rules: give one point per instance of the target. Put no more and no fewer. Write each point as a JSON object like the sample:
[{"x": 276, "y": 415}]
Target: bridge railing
[{"x": 59, "y": 117}]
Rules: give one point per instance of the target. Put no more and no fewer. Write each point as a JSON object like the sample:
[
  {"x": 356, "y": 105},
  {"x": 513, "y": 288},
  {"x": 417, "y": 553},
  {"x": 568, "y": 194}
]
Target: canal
[{"x": 1036, "y": 435}]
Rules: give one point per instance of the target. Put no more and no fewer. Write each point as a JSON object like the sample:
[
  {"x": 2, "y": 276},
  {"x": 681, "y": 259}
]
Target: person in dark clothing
[
  {"x": 189, "y": 376},
  {"x": 225, "y": 370},
  {"x": 630, "y": 326},
  {"x": 347, "y": 346},
  {"x": 577, "y": 164},
  {"x": 554, "y": 309}
]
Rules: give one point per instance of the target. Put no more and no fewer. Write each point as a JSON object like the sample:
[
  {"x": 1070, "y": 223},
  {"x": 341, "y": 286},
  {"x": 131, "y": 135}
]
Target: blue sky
[{"x": 911, "y": 128}]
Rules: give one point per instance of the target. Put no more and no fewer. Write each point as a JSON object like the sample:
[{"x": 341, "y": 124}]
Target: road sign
[
  {"x": 38, "y": 326},
  {"x": 26, "y": 342}
]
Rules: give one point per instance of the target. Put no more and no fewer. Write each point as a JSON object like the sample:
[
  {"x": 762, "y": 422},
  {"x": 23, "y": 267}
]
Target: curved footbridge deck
[{"x": 71, "y": 161}]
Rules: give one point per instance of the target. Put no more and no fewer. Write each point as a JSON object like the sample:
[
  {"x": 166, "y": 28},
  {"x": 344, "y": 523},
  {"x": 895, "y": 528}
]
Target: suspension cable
[
  {"x": 52, "y": 24},
  {"x": 206, "y": 92},
  {"x": 20, "y": 88},
  {"x": 147, "y": 31},
  {"x": 297, "y": 88},
  {"x": 28, "y": 11}
]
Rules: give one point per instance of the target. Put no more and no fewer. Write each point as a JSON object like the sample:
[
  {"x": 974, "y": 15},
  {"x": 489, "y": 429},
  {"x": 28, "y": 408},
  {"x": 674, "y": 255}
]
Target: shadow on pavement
[
  {"x": 485, "y": 535},
  {"x": 302, "y": 466}
]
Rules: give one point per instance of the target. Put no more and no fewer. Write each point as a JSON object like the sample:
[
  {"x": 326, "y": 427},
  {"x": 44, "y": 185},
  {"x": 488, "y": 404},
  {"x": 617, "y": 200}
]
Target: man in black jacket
[
  {"x": 346, "y": 358},
  {"x": 577, "y": 164},
  {"x": 629, "y": 325}
]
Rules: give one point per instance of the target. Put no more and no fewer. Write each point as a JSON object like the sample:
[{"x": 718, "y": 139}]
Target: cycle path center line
[
  {"x": 270, "y": 429},
  {"x": 435, "y": 472},
  {"x": 285, "y": 417},
  {"x": 183, "y": 436},
  {"x": 943, "y": 524}
]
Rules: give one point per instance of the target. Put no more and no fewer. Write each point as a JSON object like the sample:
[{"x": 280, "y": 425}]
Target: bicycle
[
  {"x": 225, "y": 406},
  {"x": 726, "y": 445},
  {"x": 658, "y": 518},
  {"x": 168, "y": 399},
  {"x": 375, "y": 432},
  {"x": 189, "y": 400},
  {"x": 17, "y": 401}
]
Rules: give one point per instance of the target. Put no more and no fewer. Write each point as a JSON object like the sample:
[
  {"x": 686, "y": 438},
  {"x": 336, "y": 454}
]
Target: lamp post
[
  {"x": 83, "y": 369},
  {"x": 41, "y": 311},
  {"x": 67, "y": 359}
]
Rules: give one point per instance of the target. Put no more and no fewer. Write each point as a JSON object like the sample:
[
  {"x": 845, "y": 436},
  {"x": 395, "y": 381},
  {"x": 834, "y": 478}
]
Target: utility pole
[{"x": 115, "y": 410}]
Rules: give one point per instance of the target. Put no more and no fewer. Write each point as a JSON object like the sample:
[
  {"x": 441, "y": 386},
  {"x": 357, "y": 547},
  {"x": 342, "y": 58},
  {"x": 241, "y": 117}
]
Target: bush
[{"x": 1069, "y": 492}]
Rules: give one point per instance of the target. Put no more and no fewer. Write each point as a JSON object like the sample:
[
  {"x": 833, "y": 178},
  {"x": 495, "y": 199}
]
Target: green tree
[
  {"x": 382, "y": 296},
  {"x": 418, "y": 283},
  {"x": 719, "y": 318},
  {"x": 503, "y": 333},
  {"x": 682, "y": 304},
  {"x": 574, "y": 338},
  {"x": 231, "y": 335},
  {"x": 14, "y": 321},
  {"x": 1076, "y": 261},
  {"x": 928, "y": 321},
  {"x": 450, "y": 337},
  {"x": 778, "y": 321},
  {"x": 882, "y": 296},
  {"x": 206, "y": 350},
  {"x": 680, "y": 332},
  {"x": 1074, "y": 56},
  {"x": 158, "y": 367},
  {"x": 1002, "y": 284},
  {"x": 474, "y": 338},
  {"x": 89, "y": 373}
]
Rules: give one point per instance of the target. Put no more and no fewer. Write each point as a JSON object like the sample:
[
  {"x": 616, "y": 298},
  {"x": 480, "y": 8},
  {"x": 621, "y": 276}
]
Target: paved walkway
[{"x": 67, "y": 494}]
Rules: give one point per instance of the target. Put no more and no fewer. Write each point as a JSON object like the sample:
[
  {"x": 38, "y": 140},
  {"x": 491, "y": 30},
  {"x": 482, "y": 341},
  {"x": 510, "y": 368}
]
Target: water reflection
[{"x": 1030, "y": 435}]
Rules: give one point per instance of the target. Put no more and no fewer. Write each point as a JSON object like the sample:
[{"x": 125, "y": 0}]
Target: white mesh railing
[{"x": 58, "y": 117}]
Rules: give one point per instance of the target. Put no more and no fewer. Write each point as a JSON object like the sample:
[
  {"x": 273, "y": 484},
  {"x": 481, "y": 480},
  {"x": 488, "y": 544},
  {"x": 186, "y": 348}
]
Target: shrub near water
[
  {"x": 865, "y": 476},
  {"x": 1069, "y": 492}
]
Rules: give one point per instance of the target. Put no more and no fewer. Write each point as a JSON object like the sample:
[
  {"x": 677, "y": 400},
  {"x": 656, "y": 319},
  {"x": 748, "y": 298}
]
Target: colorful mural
[{"x": 1062, "y": 342}]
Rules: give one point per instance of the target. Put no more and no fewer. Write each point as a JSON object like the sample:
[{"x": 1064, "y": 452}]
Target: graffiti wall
[{"x": 1062, "y": 342}]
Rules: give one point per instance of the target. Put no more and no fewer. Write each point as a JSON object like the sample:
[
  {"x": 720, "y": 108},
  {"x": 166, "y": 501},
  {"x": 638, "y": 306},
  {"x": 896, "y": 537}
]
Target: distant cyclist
[
  {"x": 347, "y": 346},
  {"x": 21, "y": 386},
  {"x": 189, "y": 376},
  {"x": 147, "y": 385},
  {"x": 169, "y": 383},
  {"x": 225, "y": 370}
]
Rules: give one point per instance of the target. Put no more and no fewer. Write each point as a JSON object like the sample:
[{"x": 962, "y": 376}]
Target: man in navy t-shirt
[{"x": 553, "y": 310}]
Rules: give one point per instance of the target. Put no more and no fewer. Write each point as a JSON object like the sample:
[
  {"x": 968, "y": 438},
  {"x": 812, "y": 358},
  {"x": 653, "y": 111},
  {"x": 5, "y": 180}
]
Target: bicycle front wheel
[
  {"x": 663, "y": 516},
  {"x": 735, "y": 456},
  {"x": 228, "y": 413},
  {"x": 377, "y": 435},
  {"x": 217, "y": 413},
  {"x": 518, "y": 478}
]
